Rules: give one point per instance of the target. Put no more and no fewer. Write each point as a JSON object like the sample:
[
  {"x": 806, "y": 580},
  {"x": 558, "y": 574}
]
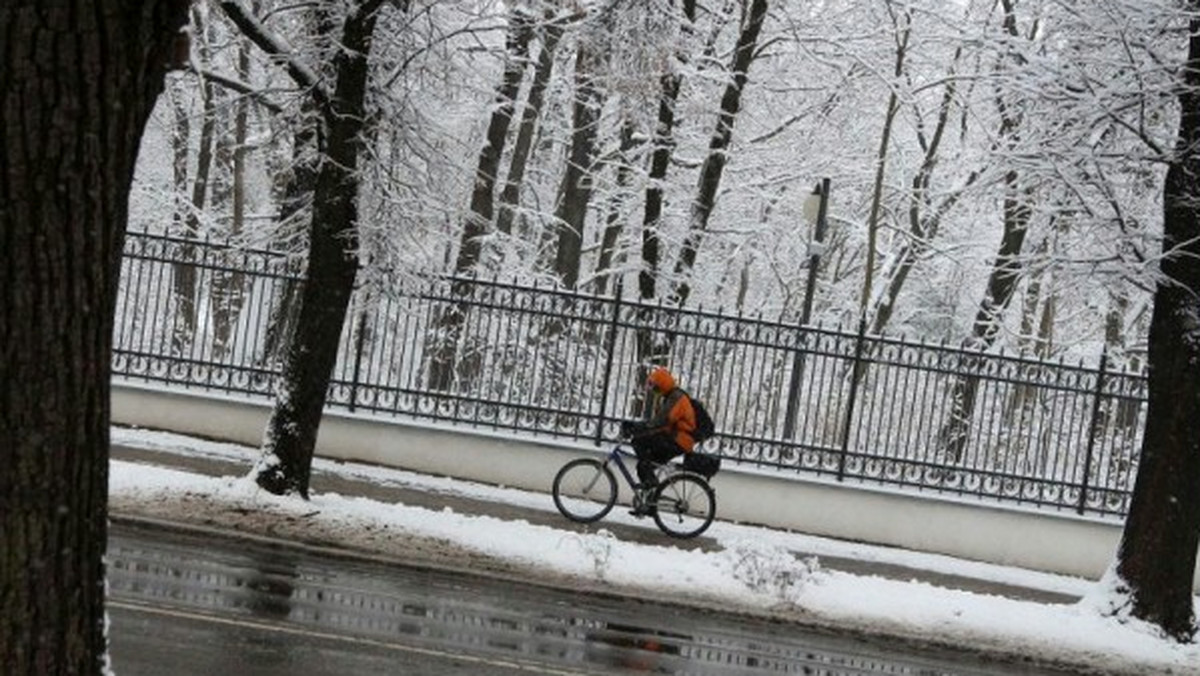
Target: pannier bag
[{"x": 702, "y": 463}]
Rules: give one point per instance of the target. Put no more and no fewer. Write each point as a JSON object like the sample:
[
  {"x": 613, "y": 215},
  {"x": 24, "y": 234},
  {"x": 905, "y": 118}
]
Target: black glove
[{"x": 628, "y": 427}]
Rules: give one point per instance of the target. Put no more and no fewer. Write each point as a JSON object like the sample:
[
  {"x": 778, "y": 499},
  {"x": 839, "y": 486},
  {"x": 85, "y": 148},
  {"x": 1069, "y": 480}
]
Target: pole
[
  {"x": 358, "y": 355},
  {"x": 848, "y": 422},
  {"x": 1097, "y": 396},
  {"x": 814, "y": 252},
  {"x": 611, "y": 347},
  {"x": 814, "y": 262}
]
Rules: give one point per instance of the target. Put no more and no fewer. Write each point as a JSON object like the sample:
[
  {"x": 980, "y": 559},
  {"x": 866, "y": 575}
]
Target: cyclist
[{"x": 667, "y": 433}]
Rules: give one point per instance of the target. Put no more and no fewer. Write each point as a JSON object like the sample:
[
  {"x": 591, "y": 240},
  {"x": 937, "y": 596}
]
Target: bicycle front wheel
[
  {"x": 684, "y": 506},
  {"x": 584, "y": 490}
]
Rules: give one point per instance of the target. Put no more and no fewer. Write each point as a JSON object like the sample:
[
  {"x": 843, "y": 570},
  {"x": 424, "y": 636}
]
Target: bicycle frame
[{"x": 615, "y": 458}]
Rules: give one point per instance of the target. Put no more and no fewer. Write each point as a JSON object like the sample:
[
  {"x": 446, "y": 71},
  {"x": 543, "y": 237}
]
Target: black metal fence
[{"x": 800, "y": 400}]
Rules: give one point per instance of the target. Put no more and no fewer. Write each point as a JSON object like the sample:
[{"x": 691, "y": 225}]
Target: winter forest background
[{"x": 996, "y": 166}]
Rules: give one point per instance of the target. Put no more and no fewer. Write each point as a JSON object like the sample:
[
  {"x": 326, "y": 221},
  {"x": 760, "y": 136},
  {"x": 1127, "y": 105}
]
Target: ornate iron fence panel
[{"x": 803, "y": 400}]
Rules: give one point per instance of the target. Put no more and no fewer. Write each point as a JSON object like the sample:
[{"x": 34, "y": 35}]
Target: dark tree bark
[
  {"x": 71, "y": 118},
  {"x": 294, "y": 204},
  {"x": 718, "y": 147},
  {"x": 332, "y": 268},
  {"x": 180, "y": 149},
  {"x": 228, "y": 293},
  {"x": 204, "y": 159},
  {"x": 185, "y": 274},
  {"x": 1124, "y": 413},
  {"x": 575, "y": 191},
  {"x": 902, "y": 29},
  {"x": 1002, "y": 283},
  {"x": 663, "y": 141},
  {"x": 1157, "y": 555},
  {"x": 923, "y": 221},
  {"x": 483, "y": 194},
  {"x": 510, "y": 196},
  {"x": 660, "y": 161},
  {"x": 443, "y": 364},
  {"x": 613, "y": 221},
  {"x": 1006, "y": 269}
]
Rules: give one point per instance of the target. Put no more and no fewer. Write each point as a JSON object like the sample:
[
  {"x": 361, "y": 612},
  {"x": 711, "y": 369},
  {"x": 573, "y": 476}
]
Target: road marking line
[{"x": 520, "y": 666}]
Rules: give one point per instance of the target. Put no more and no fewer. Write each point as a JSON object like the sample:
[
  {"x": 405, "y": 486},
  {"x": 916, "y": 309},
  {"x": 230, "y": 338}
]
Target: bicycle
[{"x": 683, "y": 504}]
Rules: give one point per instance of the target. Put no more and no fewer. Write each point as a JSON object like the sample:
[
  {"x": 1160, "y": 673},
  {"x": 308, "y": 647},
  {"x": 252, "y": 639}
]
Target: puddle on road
[{"x": 438, "y": 610}]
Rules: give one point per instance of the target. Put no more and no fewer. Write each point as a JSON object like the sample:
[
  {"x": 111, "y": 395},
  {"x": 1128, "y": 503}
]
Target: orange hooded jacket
[{"x": 674, "y": 413}]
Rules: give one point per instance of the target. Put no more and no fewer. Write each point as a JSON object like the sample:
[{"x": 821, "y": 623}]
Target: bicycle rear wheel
[
  {"x": 584, "y": 490},
  {"x": 685, "y": 506}
]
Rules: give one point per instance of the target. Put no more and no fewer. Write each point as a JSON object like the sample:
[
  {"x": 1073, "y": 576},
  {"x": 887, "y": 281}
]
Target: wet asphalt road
[{"x": 189, "y": 604}]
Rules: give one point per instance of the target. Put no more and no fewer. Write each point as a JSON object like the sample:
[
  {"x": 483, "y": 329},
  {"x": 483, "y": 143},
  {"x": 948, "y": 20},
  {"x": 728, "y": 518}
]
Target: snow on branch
[
  {"x": 276, "y": 47},
  {"x": 238, "y": 86}
]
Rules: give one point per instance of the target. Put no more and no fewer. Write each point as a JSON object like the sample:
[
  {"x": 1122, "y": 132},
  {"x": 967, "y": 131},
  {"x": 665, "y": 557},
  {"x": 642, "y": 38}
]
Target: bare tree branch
[
  {"x": 237, "y": 86},
  {"x": 275, "y": 46}
]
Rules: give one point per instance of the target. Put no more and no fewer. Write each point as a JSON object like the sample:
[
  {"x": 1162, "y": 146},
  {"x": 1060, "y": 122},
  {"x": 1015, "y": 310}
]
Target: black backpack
[{"x": 705, "y": 428}]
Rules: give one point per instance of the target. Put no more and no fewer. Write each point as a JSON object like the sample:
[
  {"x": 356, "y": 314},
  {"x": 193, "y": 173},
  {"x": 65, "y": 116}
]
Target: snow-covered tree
[
  {"x": 1156, "y": 560},
  {"x": 332, "y": 255}
]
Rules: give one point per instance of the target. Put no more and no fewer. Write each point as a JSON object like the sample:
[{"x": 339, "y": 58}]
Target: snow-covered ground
[{"x": 755, "y": 570}]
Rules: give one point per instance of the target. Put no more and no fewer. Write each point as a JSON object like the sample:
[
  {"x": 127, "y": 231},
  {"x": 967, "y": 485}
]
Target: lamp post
[{"x": 816, "y": 208}]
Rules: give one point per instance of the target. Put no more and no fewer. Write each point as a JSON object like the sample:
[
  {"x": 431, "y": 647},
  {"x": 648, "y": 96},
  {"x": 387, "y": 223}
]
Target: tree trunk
[
  {"x": 227, "y": 293},
  {"x": 510, "y": 196},
  {"x": 71, "y": 119},
  {"x": 1125, "y": 416},
  {"x": 1006, "y": 271},
  {"x": 902, "y": 36},
  {"x": 1157, "y": 555},
  {"x": 613, "y": 221},
  {"x": 332, "y": 267},
  {"x": 663, "y": 141},
  {"x": 1001, "y": 284},
  {"x": 1036, "y": 337},
  {"x": 447, "y": 330},
  {"x": 575, "y": 191},
  {"x": 660, "y": 161},
  {"x": 185, "y": 279},
  {"x": 183, "y": 273},
  {"x": 923, "y": 226},
  {"x": 295, "y": 204},
  {"x": 718, "y": 147},
  {"x": 520, "y": 33}
]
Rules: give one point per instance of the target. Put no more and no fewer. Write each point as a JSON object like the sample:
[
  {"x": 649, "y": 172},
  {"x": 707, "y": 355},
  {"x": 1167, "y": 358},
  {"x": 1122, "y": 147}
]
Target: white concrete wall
[{"x": 1038, "y": 540}]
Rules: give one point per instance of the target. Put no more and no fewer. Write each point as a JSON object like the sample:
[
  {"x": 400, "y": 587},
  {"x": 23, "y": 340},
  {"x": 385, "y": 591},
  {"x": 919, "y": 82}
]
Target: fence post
[
  {"x": 1091, "y": 445},
  {"x": 358, "y": 353},
  {"x": 608, "y": 366},
  {"x": 858, "y": 351}
]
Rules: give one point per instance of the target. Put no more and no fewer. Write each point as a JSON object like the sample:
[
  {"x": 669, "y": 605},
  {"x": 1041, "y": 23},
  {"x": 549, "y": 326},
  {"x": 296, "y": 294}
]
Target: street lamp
[{"x": 815, "y": 210}]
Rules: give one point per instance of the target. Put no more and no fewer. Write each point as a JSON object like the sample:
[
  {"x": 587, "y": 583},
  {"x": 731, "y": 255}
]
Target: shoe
[{"x": 641, "y": 504}]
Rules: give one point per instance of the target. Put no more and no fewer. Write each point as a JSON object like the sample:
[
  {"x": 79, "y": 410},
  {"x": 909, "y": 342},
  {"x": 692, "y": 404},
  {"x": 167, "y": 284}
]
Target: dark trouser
[{"x": 653, "y": 449}]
